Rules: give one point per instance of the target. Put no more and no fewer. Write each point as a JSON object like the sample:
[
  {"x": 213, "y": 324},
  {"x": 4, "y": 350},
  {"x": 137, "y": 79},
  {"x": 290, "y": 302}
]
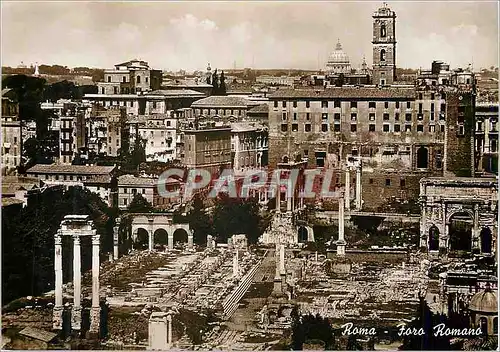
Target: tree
[
  {"x": 215, "y": 83},
  {"x": 222, "y": 86},
  {"x": 309, "y": 327},
  {"x": 139, "y": 205},
  {"x": 198, "y": 221}
]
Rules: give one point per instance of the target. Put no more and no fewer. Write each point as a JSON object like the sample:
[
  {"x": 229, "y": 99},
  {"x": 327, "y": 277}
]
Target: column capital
[
  {"x": 76, "y": 240},
  {"x": 58, "y": 239},
  {"x": 96, "y": 239}
]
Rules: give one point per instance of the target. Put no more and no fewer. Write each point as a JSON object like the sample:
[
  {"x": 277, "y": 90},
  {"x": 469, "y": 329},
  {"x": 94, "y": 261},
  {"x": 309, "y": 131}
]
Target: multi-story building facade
[
  {"x": 207, "y": 145},
  {"x": 225, "y": 108},
  {"x": 249, "y": 145},
  {"x": 129, "y": 186},
  {"x": 130, "y": 77},
  {"x": 159, "y": 133},
  {"x": 12, "y": 141},
  {"x": 72, "y": 133},
  {"x": 68, "y": 175},
  {"x": 486, "y": 137},
  {"x": 400, "y": 134},
  {"x": 116, "y": 131},
  {"x": 155, "y": 102}
]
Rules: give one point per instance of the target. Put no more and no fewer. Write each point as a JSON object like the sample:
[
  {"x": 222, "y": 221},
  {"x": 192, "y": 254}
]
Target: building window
[
  {"x": 146, "y": 79},
  {"x": 372, "y": 105},
  {"x": 354, "y": 127},
  {"x": 284, "y": 127},
  {"x": 324, "y": 116},
  {"x": 461, "y": 130},
  {"x": 336, "y": 103},
  {"x": 383, "y": 31},
  {"x": 493, "y": 146},
  {"x": 386, "y": 117},
  {"x": 386, "y": 128},
  {"x": 284, "y": 104},
  {"x": 420, "y": 128},
  {"x": 275, "y": 103},
  {"x": 336, "y": 116},
  {"x": 295, "y": 104},
  {"x": 354, "y": 104},
  {"x": 387, "y": 181},
  {"x": 307, "y": 127},
  {"x": 324, "y": 127},
  {"x": 353, "y": 117},
  {"x": 397, "y": 128},
  {"x": 408, "y": 117},
  {"x": 138, "y": 79},
  {"x": 308, "y": 116},
  {"x": 386, "y": 105},
  {"x": 442, "y": 128},
  {"x": 402, "y": 183},
  {"x": 439, "y": 160},
  {"x": 124, "y": 79},
  {"x": 143, "y": 191},
  {"x": 371, "y": 127},
  {"x": 432, "y": 116},
  {"x": 336, "y": 127},
  {"x": 324, "y": 104},
  {"x": 295, "y": 127},
  {"x": 422, "y": 158},
  {"x": 408, "y": 105},
  {"x": 371, "y": 116},
  {"x": 125, "y": 201},
  {"x": 432, "y": 97},
  {"x": 432, "y": 128},
  {"x": 396, "y": 116},
  {"x": 284, "y": 116},
  {"x": 109, "y": 79},
  {"x": 295, "y": 116},
  {"x": 308, "y": 104},
  {"x": 125, "y": 190},
  {"x": 382, "y": 55}
]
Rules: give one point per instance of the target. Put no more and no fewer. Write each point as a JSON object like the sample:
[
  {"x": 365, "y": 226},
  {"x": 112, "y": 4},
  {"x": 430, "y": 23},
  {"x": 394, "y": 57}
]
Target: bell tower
[{"x": 384, "y": 46}]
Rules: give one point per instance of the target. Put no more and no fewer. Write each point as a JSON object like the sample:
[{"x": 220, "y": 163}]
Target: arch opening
[
  {"x": 302, "y": 234},
  {"x": 180, "y": 238},
  {"x": 460, "y": 232},
  {"x": 382, "y": 55},
  {"x": 433, "y": 238},
  {"x": 160, "y": 239},
  {"x": 422, "y": 158},
  {"x": 483, "y": 324},
  {"x": 486, "y": 239},
  {"x": 141, "y": 240}
]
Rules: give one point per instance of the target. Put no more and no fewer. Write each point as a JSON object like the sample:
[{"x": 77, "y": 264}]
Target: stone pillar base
[
  {"x": 341, "y": 247},
  {"x": 76, "y": 318},
  {"x": 57, "y": 318},
  {"x": 95, "y": 320}
]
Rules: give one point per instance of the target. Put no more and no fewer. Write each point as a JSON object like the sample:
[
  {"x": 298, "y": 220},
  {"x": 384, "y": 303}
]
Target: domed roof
[
  {"x": 484, "y": 301},
  {"x": 338, "y": 56}
]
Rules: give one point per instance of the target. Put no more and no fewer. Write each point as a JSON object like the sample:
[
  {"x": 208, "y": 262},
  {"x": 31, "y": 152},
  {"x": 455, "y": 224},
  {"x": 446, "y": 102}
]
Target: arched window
[
  {"x": 422, "y": 158},
  {"x": 382, "y": 55},
  {"x": 138, "y": 79},
  {"x": 383, "y": 31}
]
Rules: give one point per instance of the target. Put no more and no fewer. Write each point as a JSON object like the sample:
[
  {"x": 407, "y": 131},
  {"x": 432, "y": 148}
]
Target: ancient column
[
  {"x": 282, "y": 259},
  {"x": 190, "y": 239},
  {"x": 347, "y": 192},
  {"x": 289, "y": 196},
  {"x": 236, "y": 269},
  {"x": 359, "y": 199},
  {"x": 95, "y": 312},
  {"x": 278, "y": 197},
  {"x": 170, "y": 236},
  {"x": 169, "y": 336},
  {"x": 475, "y": 231},
  {"x": 58, "y": 304},
  {"x": 341, "y": 241},
  {"x": 150, "y": 240},
  {"x": 116, "y": 239},
  {"x": 277, "y": 289},
  {"x": 76, "y": 314}
]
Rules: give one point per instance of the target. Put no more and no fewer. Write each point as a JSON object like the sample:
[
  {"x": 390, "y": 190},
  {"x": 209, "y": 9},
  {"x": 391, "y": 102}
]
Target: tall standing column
[
  {"x": 359, "y": 200},
  {"x": 95, "y": 313},
  {"x": 150, "y": 240},
  {"x": 278, "y": 197},
  {"x": 169, "y": 336},
  {"x": 116, "y": 239},
  {"x": 76, "y": 315},
  {"x": 190, "y": 239},
  {"x": 347, "y": 192},
  {"x": 341, "y": 243},
  {"x": 236, "y": 269},
  {"x": 475, "y": 232},
  {"x": 58, "y": 304},
  {"x": 170, "y": 236},
  {"x": 282, "y": 259}
]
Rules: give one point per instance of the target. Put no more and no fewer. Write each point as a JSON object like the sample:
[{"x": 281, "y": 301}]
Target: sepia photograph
[{"x": 249, "y": 175}]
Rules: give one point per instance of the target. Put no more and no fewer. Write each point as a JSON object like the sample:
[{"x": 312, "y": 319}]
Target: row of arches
[
  {"x": 460, "y": 233},
  {"x": 160, "y": 239}
]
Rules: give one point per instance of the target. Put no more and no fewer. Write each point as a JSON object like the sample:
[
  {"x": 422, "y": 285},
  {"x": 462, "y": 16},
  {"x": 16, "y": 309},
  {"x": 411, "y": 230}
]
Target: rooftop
[
  {"x": 224, "y": 101},
  {"x": 346, "y": 92},
  {"x": 176, "y": 92},
  {"x": 10, "y": 201},
  {"x": 262, "y": 108},
  {"x": 136, "y": 181},
  {"x": 70, "y": 169}
]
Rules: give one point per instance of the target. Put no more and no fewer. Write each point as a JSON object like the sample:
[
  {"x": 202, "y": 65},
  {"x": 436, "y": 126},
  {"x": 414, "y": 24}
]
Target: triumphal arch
[{"x": 459, "y": 214}]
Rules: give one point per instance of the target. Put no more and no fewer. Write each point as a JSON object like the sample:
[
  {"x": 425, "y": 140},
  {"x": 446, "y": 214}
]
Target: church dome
[
  {"x": 338, "y": 56},
  {"x": 484, "y": 302}
]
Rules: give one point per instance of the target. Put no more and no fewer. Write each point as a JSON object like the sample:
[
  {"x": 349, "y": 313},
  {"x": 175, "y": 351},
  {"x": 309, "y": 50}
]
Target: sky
[{"x": 188, "y": 35}]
